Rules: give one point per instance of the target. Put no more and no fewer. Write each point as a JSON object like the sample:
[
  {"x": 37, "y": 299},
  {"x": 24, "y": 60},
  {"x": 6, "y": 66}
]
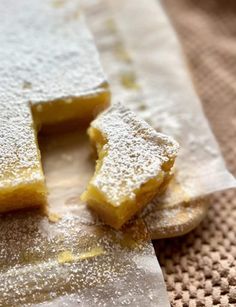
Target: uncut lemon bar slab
[
  {"x": 50, "y": 74},
  {"x": 134, "y": 164}
]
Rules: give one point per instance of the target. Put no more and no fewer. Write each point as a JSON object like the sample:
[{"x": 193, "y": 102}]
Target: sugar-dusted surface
[
  {"x": 19, "y": 156},
  {"x": 47, "y": 51},
  {"x": 75, "y": 264},
  {"x": 136, "y": 153}
]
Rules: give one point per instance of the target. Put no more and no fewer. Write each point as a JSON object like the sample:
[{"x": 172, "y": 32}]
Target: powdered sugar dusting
[
  {"x": 49, "y": 48},
  {"x": 34, "y": 273},
  {"x": 19, "y": 157}
]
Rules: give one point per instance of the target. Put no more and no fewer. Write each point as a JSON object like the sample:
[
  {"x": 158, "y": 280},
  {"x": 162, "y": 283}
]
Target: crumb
[
  {"x": 53, "y": 217},
  {"x": 65, "y": 257},
  {"x": 96, "y": 251}
]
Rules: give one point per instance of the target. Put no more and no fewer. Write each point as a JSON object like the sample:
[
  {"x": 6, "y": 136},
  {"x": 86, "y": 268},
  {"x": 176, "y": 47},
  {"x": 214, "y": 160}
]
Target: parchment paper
[{"x": 146, "y": 70}]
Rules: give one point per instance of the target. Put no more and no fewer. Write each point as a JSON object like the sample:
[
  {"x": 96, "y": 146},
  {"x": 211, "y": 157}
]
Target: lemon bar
[
  {"x": 50, "y": 74},
  {"x": 134, "y": 161}
]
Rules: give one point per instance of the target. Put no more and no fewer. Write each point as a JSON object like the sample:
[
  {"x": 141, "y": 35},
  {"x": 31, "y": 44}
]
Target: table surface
[{"x": 200, "y": 267}]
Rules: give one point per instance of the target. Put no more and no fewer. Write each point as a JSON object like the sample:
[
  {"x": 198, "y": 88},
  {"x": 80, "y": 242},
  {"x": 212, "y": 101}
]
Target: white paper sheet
[{"x": 147, "y": 72}]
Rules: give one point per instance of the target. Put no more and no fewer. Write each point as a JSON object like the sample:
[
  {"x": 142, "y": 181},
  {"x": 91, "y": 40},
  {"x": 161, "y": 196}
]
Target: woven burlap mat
[{"x": 200, "y": 268}]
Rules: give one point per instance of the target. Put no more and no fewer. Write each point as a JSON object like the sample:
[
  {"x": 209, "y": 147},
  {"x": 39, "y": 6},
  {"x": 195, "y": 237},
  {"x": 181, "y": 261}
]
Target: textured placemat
[{"x": 200, "y": 268}]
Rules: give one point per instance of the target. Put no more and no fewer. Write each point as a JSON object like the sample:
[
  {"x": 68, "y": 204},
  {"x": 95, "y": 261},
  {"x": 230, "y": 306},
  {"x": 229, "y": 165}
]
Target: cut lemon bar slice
[
  {"x": 49, "y": 68},
  {"x": 134, "y": 162},
  {"x": 21, "y": 177}
]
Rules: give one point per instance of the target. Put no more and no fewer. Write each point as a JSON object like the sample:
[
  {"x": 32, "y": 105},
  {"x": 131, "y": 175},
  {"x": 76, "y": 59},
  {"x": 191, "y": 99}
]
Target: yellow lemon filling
[{"x": 67, "y": 113}]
